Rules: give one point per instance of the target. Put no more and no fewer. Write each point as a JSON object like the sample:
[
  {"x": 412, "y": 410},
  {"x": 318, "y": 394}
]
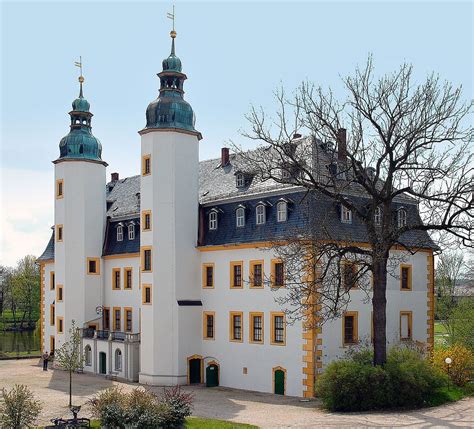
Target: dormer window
[
  {"x": 402, "y": 218},
  {"x": 240, "y": 180},
  {"x": 119, "y": 233},
  {"x": 240, "y": 217},
  {"x": 285, "y": 174},
  {"x": 260, "y": 214},
  {"x": 131, "y": 231},
  {"x": 378, "y": 216},
  {"x": 346, "y": 215},
  {"x": 282, "y": 211},
  {"x": 213, "y": 220}
]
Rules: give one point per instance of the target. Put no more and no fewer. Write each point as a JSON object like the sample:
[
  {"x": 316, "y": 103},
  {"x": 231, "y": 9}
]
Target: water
[{"x": 19, "y": 341}]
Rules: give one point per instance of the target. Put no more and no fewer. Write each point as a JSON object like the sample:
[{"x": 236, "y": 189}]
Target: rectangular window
[
  {"x": 59, "y": 188},
  {"x": 405, "y": 277},
  {"x": 236, "y": 271},
  {"x": 51, "y": 344},
  {"x": 146, "y": 294},
  {"x": 208, "y": 325},
  {"x": 146, "y": 165},
  {"x": 59, "y": 293},
  {"x": 256, "y": 274},
  {"x": 278, "y": 329},
  {"x": 127, "y": 278},
  {"x": 59, "y": 233},
  {"x": 146, "y": 220},
  {"x": 278, "y": 273},
  {"x": 406, "y": 318},
  {"x": 236, "y": 328},
  {"x": 350, "y": 327},
  {"x": 131, "y": 232},
  {"x": 128, "y": 319},
  {"x": 146, "y": 259},
  {"x": 52, "y": 316},
  {"x": 60, "y": 325},
  {"x": 256, "y": 328},
  {"x": 116, "y": 278},
  {"x": 106, "y": 319},
  {"x": 93, "y": 266},
  {"x": 208, "y": 275},
  {"x": 117, "y": 318},
  {"x": 349, "y": 275},
  {"x": 51, "y": 280},
  {"x": 346, "y": 215}
]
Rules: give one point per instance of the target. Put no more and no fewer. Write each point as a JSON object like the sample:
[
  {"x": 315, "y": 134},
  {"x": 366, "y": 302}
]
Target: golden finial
[
  {"x": 81, "y": 78},
  {"x": 172, "y": 17}
]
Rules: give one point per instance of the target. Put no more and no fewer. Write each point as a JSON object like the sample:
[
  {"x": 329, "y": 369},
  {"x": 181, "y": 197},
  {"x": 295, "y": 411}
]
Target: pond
[{"x": 19, "y": 341}]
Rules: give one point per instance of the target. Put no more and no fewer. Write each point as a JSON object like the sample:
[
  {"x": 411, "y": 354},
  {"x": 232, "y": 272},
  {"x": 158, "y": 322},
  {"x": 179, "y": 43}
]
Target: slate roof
[
  {"x": 114, "y": 247},
  {"x": 48, "y": 253},
  {"x": 123, "y": 198}
]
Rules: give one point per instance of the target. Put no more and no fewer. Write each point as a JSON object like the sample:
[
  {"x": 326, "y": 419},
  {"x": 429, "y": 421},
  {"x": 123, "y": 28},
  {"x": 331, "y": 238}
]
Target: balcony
[{"x": 110, "y": 335}]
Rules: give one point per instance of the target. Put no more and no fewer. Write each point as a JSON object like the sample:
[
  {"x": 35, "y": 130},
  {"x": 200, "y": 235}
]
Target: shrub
[
  {"x": 110, "y": 407},
  {"x": 19, "y": 408},
  {"x": 144, "y": 410},
  {"x": 179, "y": 403},
  {"x": 460, "y": 370}
]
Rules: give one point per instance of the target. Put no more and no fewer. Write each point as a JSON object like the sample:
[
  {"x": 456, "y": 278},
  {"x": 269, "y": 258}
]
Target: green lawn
[
  {"x": 31, "y": 353},
  {"x": 450, "y": 394},
  {"x": 439, "y": 329}
]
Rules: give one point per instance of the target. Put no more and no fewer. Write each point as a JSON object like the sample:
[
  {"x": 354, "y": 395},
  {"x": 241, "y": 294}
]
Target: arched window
[
  {"x": 346, "y": 215},
  {"x": 88, "y": 355},
  {"x": 213, "y": 220},
  {"x": 402, "y": 218},
  {"x": 282, "y": 211},
  {"x": 240, "y": 217},
  {"x": 120, "y": 233},
  {"x": 131, "y": 231},
  {"x": 118, "y": 360},
  {"x": 378, "y": 216},
  {"x": 240, "y": 180},
  {"x": 260, "y": 213}
]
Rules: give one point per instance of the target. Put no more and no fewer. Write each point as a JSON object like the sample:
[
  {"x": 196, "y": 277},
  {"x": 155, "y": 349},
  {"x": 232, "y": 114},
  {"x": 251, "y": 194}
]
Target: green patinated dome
[{"x": 80, "y": 105}]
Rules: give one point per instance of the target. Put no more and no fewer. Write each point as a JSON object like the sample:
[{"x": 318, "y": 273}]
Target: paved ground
[{"x": 264, "y": 410}]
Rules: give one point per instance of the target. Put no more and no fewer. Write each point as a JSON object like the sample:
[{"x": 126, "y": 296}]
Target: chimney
[
  {"x": 341, "y": 145},
  {"x": 114, "y": 177},
  {"x": 224, "y": 156}
]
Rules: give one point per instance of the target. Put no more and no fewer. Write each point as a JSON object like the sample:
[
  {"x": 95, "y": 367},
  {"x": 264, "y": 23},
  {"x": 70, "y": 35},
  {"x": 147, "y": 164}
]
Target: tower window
[
  {"x": 146, "y": 220},
  {"x": 93, "y": 266},
  {"x": 120, "y": 233},
  {"x": 51, "y": 280},
  {"x": 59, "y": 293},
  {"x": 59, "y": 233},
  {"x": 240, "y": 217},
  {"x": 59, "y": 188},
  {"x": 131, "y": 231},
  {"x": 260, "y": 214},
  {"x": 402, "y": 218},
  {"x": 146, "y": 165},
  {"x": 282, "y": 211},
  {"x": 346, "y": 215},
  {"x": 146, "y": 259},
  {"x": 213, "y": 220},
  {"x": 240, "y": 180},
  {"x": 146, "y": 294}
]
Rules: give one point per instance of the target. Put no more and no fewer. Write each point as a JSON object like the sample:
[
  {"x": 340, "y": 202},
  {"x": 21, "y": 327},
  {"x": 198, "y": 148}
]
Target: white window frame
[
  {"x": 402, "y": 217},
  {"x": 131, "y": 231},
  {"x": 285, "y": 174},
  {"x": 88, "y": 355},
  {"x": 346, "y": 214},
  {"x": 378, "y": 216},
  {"x": 118, "y": 362},
  {"x": 260, "y": 214},
  {"x": 240, "y": 217},
  {"x": 282, "y": 211},
  {"x": 240, "y": 180},
  {"x": 120, "y": 233},
  {"x": 213, "y": 221}
]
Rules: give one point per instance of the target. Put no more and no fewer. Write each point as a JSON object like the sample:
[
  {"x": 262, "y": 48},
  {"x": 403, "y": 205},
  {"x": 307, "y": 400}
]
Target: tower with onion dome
[
  {"x": 79, "y": 217},
  {"x": 170, "y": 310}
]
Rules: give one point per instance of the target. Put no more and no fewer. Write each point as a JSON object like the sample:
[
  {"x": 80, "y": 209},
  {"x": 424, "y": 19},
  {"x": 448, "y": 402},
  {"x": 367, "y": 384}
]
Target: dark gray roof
[
  {"x": 123, "y": 198},
  {"x": 48, "y": 253}
]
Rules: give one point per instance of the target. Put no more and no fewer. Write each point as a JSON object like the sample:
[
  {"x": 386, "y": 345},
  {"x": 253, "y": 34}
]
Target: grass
[
  {"x": 31, "y": 353},
  {"x": 439, "y": 329},
  {"x": 450, "y": 393}
]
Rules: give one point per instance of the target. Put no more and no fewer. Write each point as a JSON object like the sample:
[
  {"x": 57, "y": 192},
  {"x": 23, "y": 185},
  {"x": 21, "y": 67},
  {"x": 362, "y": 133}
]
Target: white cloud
[{"x": 27, "y": 213}]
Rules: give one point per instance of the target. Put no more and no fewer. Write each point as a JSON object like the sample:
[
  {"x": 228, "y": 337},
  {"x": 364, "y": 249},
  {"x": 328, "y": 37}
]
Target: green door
[
  {"x": 195, "y": 371},
  {"x": 279, "y": 382},
  {"x": 212, "y": 375},
  {"x": 102, "y": 363}
]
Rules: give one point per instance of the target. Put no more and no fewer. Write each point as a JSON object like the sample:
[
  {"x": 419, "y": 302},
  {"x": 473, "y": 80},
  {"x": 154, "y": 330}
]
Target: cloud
[{"x": 27, "y": 213}]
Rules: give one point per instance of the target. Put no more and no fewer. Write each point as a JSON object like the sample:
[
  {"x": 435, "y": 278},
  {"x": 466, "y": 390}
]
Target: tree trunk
[
  {"x": 379, "y": 305},
  {"x": 70, "y": 388}
]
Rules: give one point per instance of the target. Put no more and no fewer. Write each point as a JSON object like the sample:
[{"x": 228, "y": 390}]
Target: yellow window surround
[
  {"x": 236, "y": 280},
  {"x": 205, "y": 268},
  {"x": 205, "y": 332},
  {"x": 355, "y": 328},
  {"x": 277, "y": 339},
  {"x": 232, "y": 328},
  {"x": 116, "y": 279},
  {"x": 257, "y": 282},
  {"x": 252, "y": 336}
]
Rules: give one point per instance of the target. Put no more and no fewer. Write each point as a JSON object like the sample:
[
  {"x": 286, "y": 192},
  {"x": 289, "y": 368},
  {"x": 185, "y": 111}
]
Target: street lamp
[{"x": 448, "y": 361}]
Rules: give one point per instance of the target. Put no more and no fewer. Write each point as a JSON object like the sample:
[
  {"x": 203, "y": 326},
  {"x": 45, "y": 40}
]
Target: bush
[
  {"x": 179, "y": 403},
  {"x": 354, "y": 384},
  {"x": 460, "y": 370},
  {"x": 110, "y": 407},
  {"x": 19, "y": 408}
]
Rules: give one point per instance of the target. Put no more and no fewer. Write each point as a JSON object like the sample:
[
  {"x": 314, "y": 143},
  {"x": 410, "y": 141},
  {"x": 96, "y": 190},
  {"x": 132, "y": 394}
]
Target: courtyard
[{"x": 260, "y": 409}]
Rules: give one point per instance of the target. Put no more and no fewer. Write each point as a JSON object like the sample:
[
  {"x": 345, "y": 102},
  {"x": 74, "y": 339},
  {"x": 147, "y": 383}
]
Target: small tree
[
  {"x": 69, "y": 356},
  {"x": 19, "y": 408}
]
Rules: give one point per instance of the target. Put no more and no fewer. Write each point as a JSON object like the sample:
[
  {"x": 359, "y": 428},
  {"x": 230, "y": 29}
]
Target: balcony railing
[{"x": 110, "y": 335}]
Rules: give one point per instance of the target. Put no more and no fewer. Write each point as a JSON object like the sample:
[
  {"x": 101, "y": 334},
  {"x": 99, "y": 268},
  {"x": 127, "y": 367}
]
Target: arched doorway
[
  {"x": 195, "y": 369},
  {"x": 212, "y": 374},
  {"x": 279, "y": 380},
  {"x": 102, "y": 363}
]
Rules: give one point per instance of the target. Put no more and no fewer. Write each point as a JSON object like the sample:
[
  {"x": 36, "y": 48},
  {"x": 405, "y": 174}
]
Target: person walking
[{"x": 45, "y": 360}]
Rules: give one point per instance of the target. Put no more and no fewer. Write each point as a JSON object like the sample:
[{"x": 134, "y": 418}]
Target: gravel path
[{"x": 261, "y": 409}]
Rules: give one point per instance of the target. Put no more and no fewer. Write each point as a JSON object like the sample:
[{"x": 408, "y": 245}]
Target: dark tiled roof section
[
  {"x": 48, "y": 253},
  {"x": 304, "y": 210},
  {"x": 114, "y": 247},
  {"x": 123, "y": 197}
]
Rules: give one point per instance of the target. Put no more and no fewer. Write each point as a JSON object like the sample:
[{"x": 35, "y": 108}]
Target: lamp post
[{"x": 448, "y": 361}]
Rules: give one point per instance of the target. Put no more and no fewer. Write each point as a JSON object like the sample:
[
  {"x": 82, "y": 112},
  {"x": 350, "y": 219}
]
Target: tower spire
[
  {"x": 171, "y": 15},
  {"x": 81, "y": 78}
]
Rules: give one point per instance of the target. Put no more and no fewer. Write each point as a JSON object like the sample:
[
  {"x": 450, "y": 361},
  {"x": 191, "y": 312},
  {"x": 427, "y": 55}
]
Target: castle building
[{"x": 165, "y": 272}]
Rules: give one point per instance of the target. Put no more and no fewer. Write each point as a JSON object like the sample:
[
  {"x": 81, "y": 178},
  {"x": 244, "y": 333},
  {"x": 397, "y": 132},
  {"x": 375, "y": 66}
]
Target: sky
[{"x": 235, "y": 55}]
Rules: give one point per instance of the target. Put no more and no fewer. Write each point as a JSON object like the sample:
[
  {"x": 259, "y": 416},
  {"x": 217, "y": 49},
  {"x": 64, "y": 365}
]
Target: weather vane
[
  {"x": 172, "y": 17},
  {"x": 79, "y": 64}
]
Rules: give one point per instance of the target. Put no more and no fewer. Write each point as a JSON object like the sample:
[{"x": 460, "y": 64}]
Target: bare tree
[{"x": 404, "y": 169}]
